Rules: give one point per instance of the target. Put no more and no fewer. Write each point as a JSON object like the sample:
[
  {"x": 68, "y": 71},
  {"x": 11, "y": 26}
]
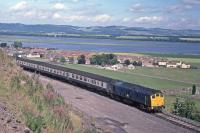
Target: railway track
[{"x": 179, "y": 121}]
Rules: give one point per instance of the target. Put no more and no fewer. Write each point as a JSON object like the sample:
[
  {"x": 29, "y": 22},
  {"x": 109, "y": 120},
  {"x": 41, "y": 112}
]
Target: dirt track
[{"x": 112, "y": 115}]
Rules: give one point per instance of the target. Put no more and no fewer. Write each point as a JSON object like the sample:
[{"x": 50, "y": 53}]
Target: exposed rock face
[{"x": 9, "y": 123}]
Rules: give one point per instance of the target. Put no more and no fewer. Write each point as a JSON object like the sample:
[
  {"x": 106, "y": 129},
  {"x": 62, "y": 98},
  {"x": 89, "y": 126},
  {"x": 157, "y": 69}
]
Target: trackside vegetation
[
  {"x": 38, "y": 106},
  {"x": 186, "y": 108}
]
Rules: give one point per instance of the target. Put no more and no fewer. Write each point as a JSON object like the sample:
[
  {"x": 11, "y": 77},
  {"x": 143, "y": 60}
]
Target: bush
[
  {"x": 194, "y": 89},
  {"x": 62, "y": 59},
  {"x": 127, "y": 62},
  {"x": 186, "y": 108},
  {"x": 34, "y": 123},
  {"x": 81, "y": 59},
  {"x": 137, "y": 63}
]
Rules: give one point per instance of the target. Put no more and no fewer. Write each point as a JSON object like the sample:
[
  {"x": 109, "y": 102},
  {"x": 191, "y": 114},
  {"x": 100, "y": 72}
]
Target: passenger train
[{"x": 148, "y": 99}]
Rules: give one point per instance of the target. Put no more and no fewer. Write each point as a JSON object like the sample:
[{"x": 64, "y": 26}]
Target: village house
[
  {"x": 178, "y": 63},
  {"x": 162, "y": 63},
  {"x": 115, "y": 67},
  {"x": 171, "y": 64},
  {"x": 185, "y": 66},
  {"x": 33, "y": 55},
  {"x": 87, "y": 62},
  {"x": 131, "y": 67}
]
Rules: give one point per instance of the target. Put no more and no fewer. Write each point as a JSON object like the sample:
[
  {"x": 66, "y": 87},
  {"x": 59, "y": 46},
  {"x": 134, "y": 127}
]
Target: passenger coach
[{"x": 146, "y": 98}]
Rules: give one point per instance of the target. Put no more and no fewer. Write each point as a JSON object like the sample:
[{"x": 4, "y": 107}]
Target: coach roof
[{"x": 64, "y": 68}]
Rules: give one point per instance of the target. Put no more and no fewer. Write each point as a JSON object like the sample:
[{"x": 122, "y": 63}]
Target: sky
[{"x": 172, "y": 14}]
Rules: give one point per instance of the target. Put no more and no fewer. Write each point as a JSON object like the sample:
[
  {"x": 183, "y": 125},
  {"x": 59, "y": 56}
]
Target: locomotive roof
[
  {"x": 135, "y": 87},
  {"x": 118, "y": 83}
]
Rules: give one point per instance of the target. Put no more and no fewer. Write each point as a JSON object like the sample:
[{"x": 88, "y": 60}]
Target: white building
[
  {"x": 171, "y": 65},
  {"x": 162, "y": 63},
  {"x": 33, "y": 55},
  {"x": 131, "y": 67},
  {"x": 185, "y": 66}
]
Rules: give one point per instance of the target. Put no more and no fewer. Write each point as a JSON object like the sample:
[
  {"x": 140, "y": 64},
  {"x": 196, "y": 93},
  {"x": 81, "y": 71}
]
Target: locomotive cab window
[
  {"x": 161, "y": 95},
  {"x": 157, "y": 95},
  {"x": 153, "y": 97}
]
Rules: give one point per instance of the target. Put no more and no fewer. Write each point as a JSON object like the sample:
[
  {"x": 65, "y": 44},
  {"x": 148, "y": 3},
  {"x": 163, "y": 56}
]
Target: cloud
[
  {"x": 75, "y": 0},
  {"x": 192, "y": 1},
  {"x": 59, "y": 6},
  {"x": 56, "y": 16},
  {"x": 138, "y": 7},
  {"x": 19, "y": 6},
  {"x": 29, "y": 14},
  {"x": 148, "y": 19},
  {"x": 178, "y": 8},
  {"x": 126, "y": 19},
  {"x": 102, "y": 18},
  {"x": 76, "y": 18},
  {"x": 33, "y": 14}
]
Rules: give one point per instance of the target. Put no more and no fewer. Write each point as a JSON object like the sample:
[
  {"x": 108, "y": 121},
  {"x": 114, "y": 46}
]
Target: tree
[
  {"x": 62, "y": 59},
  {"x": 137, "y": 63},
  {"x": 71, "y": 60},
  {"x": 104, "y": 59},
  {"x": 17, "y": 44},
  {"x": 81, "y": 59},
  {"x": 3, "y": 45},
  {"x": 194, "y": 89},
  {"x": 127, "y": 62}
]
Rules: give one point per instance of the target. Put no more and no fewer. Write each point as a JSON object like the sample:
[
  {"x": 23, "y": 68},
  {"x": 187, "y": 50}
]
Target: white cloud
[
  {"x": 192, "y": 1},
  {"x": 56, "y": 16},
  {"x": 75, "y": 0},
  {"x": 178, "y": 8},
  {"x": 102, "y": 18},
  {"x": 19, "y": 6},
  {"x": 137, "y": 7},
  {"x": 59, "y": 6},
  {"x": 77, "y": 18},
  {"x": 126, "y": 19},
  {"x": 29, "y": 14},
  {"x": 34, "y": 14},
  {"x": 148, "y": 19}
]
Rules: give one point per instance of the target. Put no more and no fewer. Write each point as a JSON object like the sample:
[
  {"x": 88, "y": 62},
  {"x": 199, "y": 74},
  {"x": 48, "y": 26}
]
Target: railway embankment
[{"x": 26, "y": 105}]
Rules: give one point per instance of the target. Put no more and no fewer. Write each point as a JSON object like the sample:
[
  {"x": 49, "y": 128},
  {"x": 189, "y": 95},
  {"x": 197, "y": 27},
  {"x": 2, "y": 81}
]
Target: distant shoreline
[{"x": 184, "y": 39}]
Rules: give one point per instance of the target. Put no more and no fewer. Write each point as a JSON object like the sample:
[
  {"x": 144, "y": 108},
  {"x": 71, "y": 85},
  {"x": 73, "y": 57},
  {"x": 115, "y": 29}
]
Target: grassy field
[
  {"x": 188, "y": 75},
  {"x": 148, "y": 77}
]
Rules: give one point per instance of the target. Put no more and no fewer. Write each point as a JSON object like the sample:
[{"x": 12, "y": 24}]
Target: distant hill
[{"x": 95, "y": 30}]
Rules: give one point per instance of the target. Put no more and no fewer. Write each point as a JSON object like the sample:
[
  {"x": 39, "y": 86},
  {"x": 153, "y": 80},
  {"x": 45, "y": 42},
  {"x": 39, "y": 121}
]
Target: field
[{"x": 158, "y": 79}]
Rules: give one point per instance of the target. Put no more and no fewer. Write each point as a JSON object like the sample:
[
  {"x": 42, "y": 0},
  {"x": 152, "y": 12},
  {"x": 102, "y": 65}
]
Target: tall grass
[{"x": 40, "y": 107}]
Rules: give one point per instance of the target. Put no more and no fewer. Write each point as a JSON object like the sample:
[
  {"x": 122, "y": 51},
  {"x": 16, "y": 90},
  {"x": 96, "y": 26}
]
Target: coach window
[
  {"x": 81, "y": 78},
  {"x": 65, "y": 74},
  {"x": 102, "y": 84}
]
